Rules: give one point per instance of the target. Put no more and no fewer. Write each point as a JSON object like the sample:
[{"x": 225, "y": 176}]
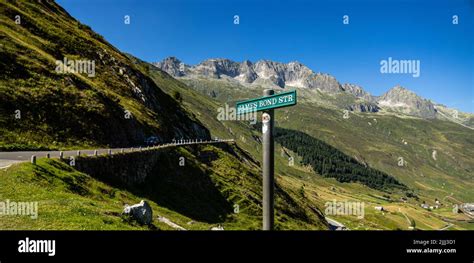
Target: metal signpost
[{"x": 267, "y": 103}]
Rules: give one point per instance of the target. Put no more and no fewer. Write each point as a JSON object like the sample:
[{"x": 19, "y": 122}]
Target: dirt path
[
  {"x": 447, "y": 226},
  {"x": 165, "y": 220}
]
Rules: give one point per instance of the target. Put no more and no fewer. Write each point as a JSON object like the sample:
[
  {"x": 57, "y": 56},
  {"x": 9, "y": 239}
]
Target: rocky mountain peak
[
  {"x": 172, "y": 60},
  {"x": 399, "y": 90},
  {"x": 357, "y": 91},
  {"x": 406, "y": 101},
  {"x": 247, "y": 63},
  {"x": 263, "y": 73},
  {"x": 217, "y": 67},
  {"x": 172, "y": 66},
  {"x": 271, "y": 74},
  {"x": 399, "y": 94}
]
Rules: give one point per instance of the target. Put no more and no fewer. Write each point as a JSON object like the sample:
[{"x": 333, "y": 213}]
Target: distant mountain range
[
  {"x": 270, "y": 74},
  {"x": 121, "y": 105},
  {"x": 263, "y": 73}
]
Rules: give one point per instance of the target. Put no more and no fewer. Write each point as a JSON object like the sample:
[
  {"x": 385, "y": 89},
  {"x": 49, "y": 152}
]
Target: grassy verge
[
  {"x": 213, "y": 182},
  {"x": 70, "y": 200}
]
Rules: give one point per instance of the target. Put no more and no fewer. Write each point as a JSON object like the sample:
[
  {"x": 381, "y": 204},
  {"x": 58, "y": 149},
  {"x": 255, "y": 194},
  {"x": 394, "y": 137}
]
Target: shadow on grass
[
  {"x": 75, "y": 184},
  {"x": 187, "y": 190}
]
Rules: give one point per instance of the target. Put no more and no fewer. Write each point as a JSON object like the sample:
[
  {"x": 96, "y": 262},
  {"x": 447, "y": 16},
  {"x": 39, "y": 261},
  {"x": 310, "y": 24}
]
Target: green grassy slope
[
  {"x": 214, "y": 187},
  {"x": 76, "y": 111},
  {"x": 330, "y": 162},
  {"x": 69, "y": 200},
  {"x": 380, "y": 139},
  {"x": 71, "y": 110},
  {"x": 375, "y": 139}
]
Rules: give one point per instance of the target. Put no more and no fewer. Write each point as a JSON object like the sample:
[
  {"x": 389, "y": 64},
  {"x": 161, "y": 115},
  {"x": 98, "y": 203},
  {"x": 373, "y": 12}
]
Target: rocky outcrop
[
  {"x": 323, "y": 82},
  {"x": 263, "y": 72},
  {"x": 217, "y": 228},
  {"x": 357, "y": 91},
  {"x": 142, "y": 212},
  {"x": 247, "y": 72},
  {"x": 401, "y": 100},
  {"x": 364, "y": 107},
  {"x": 217, "y": 68},
  {"x": 270, "y": 74},
  {"x": 173, "y": 66}
]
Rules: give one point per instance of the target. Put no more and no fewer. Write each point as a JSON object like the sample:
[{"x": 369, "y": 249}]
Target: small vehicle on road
[{"x": 152, "y": 140}]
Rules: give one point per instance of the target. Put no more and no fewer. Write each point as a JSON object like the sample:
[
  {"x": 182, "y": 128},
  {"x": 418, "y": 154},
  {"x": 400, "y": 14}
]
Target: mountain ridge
[{"x": 278, "y": 75}]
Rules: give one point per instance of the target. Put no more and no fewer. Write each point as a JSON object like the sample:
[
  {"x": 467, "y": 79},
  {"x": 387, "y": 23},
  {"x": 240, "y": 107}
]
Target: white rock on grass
[
  {"x": 141, "y": 212},
  {"x": 217, "y": 228}
]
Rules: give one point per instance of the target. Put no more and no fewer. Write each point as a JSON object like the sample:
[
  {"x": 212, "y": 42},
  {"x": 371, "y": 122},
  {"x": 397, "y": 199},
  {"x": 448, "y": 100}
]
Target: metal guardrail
[{"x": 182, "y": 142}]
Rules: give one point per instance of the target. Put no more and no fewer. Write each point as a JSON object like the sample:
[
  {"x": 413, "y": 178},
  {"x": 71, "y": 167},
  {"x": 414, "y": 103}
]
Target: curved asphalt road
[{"x": 9, "y": 158}]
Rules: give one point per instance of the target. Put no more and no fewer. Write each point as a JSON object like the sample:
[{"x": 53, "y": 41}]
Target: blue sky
[{"x": 310, "y": 32}]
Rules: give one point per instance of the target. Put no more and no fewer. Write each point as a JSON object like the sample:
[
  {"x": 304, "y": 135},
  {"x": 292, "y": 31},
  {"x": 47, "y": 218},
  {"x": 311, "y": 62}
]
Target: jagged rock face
[
  {"x": 270, "y": 71},
  {"x": 247, "y": 73},
  {"x": 296, "y": 71},
  {"x": 405, "y": 101},
  {"x": 323, "y": 82},
  {"x": 173, "y": 66},
  {"x": 364, "y": 107},
  {"x": 357, "y": 91},
  {"x": 263, "y": 72},
  {"x": 216, "y": 68},
  {"x": 270, "y": 74}
]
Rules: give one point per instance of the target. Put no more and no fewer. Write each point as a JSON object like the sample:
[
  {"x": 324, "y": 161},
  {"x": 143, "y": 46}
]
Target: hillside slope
[
  {"x": 378, "y": 139},
  {"x": 217, "y": 186},
  {"x": 206, "y": 97},
  {"x": 437, "y": 162},
  {"x": 330, "y": 162},
  {"x": 114, "y": 103}
]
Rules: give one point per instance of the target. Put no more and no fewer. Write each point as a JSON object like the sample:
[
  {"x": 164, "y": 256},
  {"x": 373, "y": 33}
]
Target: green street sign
[{"x": 279, "y": 100}]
